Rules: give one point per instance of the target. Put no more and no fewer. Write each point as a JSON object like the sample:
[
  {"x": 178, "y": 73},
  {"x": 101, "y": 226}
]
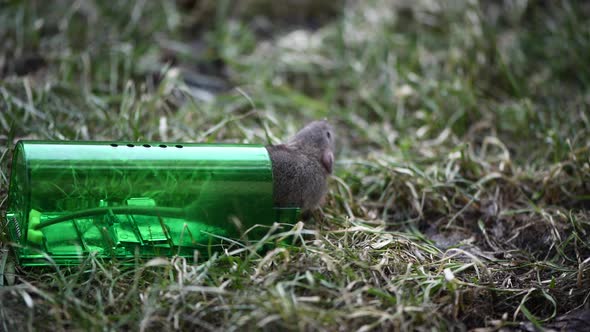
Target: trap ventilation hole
[
  {"x": 163, "y": 146},
  {"x": 179, "y": 146}
]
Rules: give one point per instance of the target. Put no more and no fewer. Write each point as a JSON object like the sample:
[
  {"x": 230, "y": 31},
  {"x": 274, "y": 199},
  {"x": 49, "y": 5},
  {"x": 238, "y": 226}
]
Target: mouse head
[{"x": 316, "y": 140}]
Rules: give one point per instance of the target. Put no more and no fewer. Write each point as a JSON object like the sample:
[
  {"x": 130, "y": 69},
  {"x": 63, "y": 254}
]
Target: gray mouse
[{"x": 301, "y": 167}]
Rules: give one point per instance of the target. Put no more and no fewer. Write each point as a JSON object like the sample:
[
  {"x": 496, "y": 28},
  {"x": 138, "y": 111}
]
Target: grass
[{"x": 461, "y": 194}]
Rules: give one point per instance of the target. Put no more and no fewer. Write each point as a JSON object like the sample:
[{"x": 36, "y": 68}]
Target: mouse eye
[{"x": 328, "y": 134}]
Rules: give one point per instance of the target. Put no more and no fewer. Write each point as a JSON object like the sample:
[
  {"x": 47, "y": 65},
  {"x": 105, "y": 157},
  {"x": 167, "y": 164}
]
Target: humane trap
[{"x": 125, "y": 200}]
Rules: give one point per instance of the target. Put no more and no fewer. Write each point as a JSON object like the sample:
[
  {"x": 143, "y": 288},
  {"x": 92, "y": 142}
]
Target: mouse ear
[{"x": 328, "y": 160}]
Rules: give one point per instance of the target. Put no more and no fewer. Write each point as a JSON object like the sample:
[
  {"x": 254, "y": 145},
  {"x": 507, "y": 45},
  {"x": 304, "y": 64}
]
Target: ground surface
[{"x": 461, "y": 196}]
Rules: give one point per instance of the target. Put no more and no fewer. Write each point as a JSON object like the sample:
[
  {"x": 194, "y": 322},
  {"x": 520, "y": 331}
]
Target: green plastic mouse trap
[{"x": 123, "y": 200}]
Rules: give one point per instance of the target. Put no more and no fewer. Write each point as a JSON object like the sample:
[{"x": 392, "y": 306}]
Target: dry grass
[{"x": 462, "y": 188}]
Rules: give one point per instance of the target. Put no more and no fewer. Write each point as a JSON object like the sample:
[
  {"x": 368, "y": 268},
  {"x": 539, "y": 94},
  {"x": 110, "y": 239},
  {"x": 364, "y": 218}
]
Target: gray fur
[{"x": 302, "y": 166}]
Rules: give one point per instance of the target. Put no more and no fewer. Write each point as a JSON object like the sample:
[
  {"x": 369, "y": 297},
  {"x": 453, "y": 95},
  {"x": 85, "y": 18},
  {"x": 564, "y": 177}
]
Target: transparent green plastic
[{"x": 127, "y": 200}]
